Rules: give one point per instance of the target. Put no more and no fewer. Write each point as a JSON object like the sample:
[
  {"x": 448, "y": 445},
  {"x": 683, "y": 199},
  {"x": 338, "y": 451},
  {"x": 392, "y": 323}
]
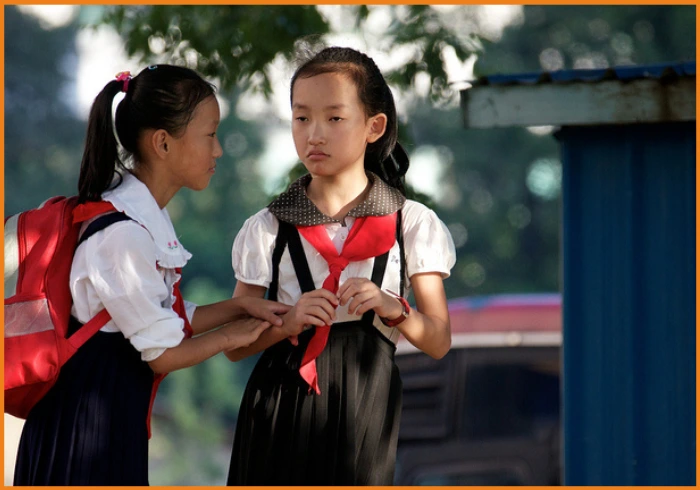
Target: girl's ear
[
  {"x": 377, "y": 127},
  {"x": 159, "y": 143}
]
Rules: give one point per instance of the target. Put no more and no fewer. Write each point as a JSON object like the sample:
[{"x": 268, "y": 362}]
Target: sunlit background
[
  {"x": 497, "y": 190},
  {"x": 101, "y": 54}
]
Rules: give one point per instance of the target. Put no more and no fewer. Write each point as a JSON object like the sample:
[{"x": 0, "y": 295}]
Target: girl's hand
[
  {"x": 243, "y": 332},
  {"x": 313, "y": 308},
  {"x": 363, "y": 295},
  {"x": 263, "y": 309}
]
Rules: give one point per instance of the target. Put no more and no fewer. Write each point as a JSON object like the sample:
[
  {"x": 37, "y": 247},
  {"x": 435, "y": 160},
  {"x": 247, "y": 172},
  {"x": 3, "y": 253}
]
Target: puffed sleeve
[
  {"x": 427, "y": 241},
  {"x": 251, "y": 256},
  {"x": 123, "y": 272}
]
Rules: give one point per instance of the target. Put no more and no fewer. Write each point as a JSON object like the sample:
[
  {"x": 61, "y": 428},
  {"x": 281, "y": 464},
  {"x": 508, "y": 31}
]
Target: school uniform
[
  {"x": 92, "y": 426},
  {"x": 286, "y": 433}
]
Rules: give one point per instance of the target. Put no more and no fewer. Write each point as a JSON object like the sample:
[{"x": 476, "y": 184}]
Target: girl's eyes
[{"x": 304, "y": 119}]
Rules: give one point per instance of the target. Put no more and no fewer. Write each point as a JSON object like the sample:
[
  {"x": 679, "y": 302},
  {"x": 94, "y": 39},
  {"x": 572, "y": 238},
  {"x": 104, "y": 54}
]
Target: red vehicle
[{"x": 488, "y": 413}]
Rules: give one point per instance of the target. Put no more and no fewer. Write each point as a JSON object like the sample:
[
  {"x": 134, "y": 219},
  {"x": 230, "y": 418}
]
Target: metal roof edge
[{"x": 621, "y": 73}]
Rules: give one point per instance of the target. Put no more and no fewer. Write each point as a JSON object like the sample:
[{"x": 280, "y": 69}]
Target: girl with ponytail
[
  {"x": 92, "y": 427},
  {"x": 343, "y": 246}
]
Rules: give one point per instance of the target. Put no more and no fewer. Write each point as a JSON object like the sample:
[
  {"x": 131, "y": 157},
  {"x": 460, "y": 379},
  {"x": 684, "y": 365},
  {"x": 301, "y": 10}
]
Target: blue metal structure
[
  {"x": 629, "y": 272},
  {"x": 629, "y": 304}
]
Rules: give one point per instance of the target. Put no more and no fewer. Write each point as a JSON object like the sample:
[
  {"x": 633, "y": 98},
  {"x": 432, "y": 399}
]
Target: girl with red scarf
[
  {"x": 342, "y": 245},
  {"x": 92, "y": 427}
]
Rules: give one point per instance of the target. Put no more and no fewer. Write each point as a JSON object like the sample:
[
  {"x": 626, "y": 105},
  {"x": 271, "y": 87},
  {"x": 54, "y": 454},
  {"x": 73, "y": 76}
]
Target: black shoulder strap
[
  {"x": 377, "y": 278},
  {"x": 288, "y": 235},
  {"x": 280, "y": 244},
  {"x": 402, "y": 254},
  {"x": 301, "y": 265},
  {"x": 101, "y": 223}
]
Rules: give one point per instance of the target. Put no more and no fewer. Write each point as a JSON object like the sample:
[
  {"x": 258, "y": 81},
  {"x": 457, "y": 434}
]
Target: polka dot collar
[{"x": 293, "y": 206}]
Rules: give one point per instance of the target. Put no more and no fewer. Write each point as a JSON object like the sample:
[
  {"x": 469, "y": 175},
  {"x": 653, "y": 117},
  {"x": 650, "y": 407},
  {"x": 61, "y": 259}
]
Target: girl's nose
[
  {"x": 316, "y": 136},
  {"x": 218, "y": 150}
]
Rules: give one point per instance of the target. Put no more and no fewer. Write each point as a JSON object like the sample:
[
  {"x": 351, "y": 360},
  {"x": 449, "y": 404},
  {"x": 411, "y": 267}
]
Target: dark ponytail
[
  {"x": 100, "y": 157},
  {"x": 160, "y": 97},
  {"x": 385, "y": 157}
]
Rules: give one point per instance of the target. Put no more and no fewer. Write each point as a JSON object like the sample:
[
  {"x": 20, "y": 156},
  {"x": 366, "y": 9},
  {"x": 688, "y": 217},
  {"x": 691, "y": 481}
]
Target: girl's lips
[{"x": 317, "y": 155}]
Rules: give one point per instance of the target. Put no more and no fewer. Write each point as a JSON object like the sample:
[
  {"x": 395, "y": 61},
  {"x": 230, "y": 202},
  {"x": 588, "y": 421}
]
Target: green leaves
[
  {"x": 234, "y": 44},
  {"x": 237, "y": 44}
]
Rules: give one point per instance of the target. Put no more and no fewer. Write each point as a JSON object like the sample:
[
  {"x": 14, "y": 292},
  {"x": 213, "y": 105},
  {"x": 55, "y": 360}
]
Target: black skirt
[
  {"x": 345, "y": 436},
  {"x": 90, "y": 428}
]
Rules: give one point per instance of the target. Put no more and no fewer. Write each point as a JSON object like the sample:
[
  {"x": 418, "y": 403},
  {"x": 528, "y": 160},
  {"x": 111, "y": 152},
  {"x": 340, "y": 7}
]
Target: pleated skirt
[
  {"x": 347, "y": 435},
  {"x": 90, "y": 428}
]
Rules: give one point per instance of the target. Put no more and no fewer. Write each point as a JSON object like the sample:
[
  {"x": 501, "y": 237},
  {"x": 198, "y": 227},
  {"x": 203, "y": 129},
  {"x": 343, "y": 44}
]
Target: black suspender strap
[
  {"x": 280, "y": 244},
  {"x": 402, "y": 254},
  {"x": 101, "y": 223},
  {"x": 288, "y": 235},
  {"x": 301, "y": 266},
  {"x": 377, "y": 278}
]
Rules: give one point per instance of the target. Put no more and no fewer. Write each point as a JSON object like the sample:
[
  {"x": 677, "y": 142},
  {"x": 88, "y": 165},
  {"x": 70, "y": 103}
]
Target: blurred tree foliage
[
  {"x": 500, "y": 193},
  {"x": 236, "y": 44},
  {"x": 43, "y": 137},
  {"x": 591, "y": 36}
]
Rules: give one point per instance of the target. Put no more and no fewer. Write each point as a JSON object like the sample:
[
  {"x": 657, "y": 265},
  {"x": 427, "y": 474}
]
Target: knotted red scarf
[{"x": 370, "y": 236}]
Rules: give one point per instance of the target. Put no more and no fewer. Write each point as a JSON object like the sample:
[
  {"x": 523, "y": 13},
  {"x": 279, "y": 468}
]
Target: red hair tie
[{"x": 124, "y": 76}]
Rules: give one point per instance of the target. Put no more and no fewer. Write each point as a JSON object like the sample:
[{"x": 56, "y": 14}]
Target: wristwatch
[{"x": 404, "y": 314}]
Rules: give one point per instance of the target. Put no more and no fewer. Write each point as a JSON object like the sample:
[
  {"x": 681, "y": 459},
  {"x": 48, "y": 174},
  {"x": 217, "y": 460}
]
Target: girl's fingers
[
  {"x": 344, "y": 288},
  {"x": 270, "y": 316},
  {"x": 279, "y": 308},
  {"x": 255, "y": 326},
  {"x": 320, "y": 314},
  {"x": 361, "y": 299},
  {"x": 322, "y": 293},
  {"x": 366, "y": 306},
  {"x": 318, "y": 303},
  {"x": 348, "y": 294},
  {"x": 245, "y": 332},
  {"x": 266, "y": 310},
  {"x": 264, "y": 325}
]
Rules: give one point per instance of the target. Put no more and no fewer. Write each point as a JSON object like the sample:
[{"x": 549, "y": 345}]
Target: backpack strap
[
  {"x": 90, "y": 328},
  {"x": 101, "y": 223}
]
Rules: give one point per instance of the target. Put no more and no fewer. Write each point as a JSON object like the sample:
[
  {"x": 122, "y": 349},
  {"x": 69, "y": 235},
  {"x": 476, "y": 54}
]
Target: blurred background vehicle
[{"x": 488, "y": 413}]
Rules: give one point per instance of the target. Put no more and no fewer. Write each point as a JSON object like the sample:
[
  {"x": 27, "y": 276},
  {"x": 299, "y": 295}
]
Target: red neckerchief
[
  {"x": 370, "y": 236},
  {"x": 92, "y": 209}
]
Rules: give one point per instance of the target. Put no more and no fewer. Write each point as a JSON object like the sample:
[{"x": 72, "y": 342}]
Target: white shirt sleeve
[
  {"x": 189, "y": 309},
  {"x": 427, "y": 241},
  {"x": 251, "y": 256},
  {"x": 121, "y": 266}
]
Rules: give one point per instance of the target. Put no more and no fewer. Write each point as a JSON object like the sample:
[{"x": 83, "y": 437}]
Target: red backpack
[{"x": 39, "y": 248}]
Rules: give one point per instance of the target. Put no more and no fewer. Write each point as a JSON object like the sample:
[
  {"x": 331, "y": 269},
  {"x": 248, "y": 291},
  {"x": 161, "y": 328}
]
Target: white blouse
[
  {"x": 428, "y": 247},
  {"x": 129, "y": 268}
]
